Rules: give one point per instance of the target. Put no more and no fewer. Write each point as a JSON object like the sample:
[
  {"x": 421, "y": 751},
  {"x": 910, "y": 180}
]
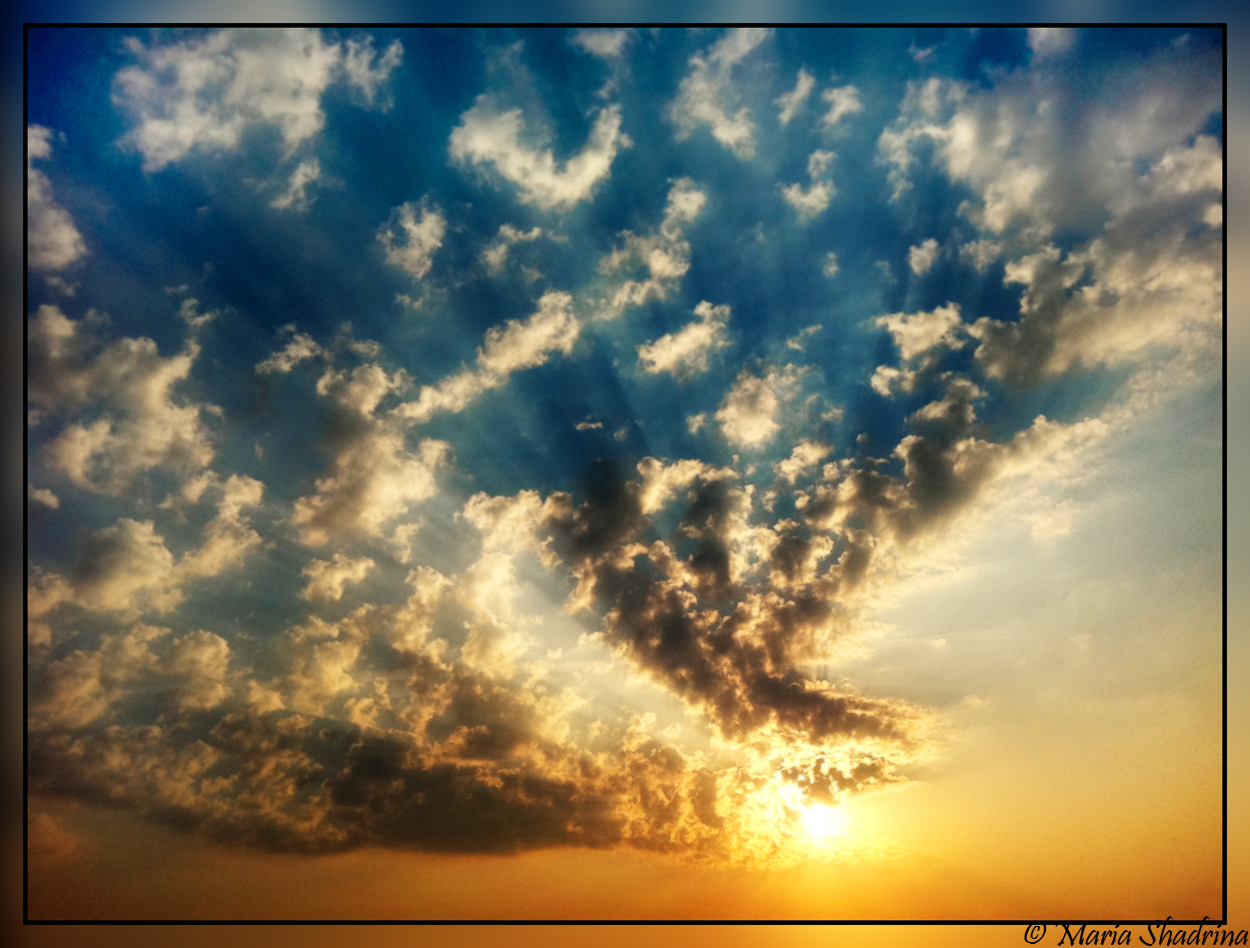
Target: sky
[{"x": 623, "y": 473}]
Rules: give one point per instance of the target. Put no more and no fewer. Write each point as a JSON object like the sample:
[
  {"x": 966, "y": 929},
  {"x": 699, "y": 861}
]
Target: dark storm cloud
[{"x": 727, "y": 646}]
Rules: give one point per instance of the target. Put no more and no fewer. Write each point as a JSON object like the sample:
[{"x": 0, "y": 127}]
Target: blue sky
[{"x": 583, "y": 410}]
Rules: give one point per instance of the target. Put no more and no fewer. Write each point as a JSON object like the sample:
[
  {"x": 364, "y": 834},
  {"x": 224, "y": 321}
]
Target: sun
[{"x": 823, "y": 822}]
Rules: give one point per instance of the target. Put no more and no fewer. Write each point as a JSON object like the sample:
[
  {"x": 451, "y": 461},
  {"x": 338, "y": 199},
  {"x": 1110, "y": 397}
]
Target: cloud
[
  {"x": 496, "y": 635},
  {"x": 321, "y": 673},
  {"x": 126, "y": 568},
  {"x": 735, "y": 665},
  {"x": 920, "y": 338},
  {"x": 228, "y": 537},
  {"x": 796, "y": 342},
  {"x": 189, "y": 313},
  {"x": 981, "y": 253},
  {"x": 42, "y": 496},
  {"x": 84, "y": 685},
  {"x": 660, "y": 481},
  {"x": 685, "y": 353},
  {"x": 805, "y": 456},
  {"x": 921, "y": 56},
  {"x": 362, "y": 74},
  {"x": 301, "y": 347},
  {"x": 815, "y": 198},
  {"x": 200, "y": 660},
  {"x": 496, "y": 255},
  {"x": 1033, "y": 169},
  {"x": 843, "y": 101},
  {"x": 1050, "y": 40},
  {"x": 708, "y": 91},
  {"x": 486, "y": 135},
  {"x": 1152, "y": 282},
  {"x": 512, "y": 524},
  {"x": 203, "y": 93},
  {"x": 327, "y": 579},
  {"x": 884, "y": 378},
  {"x": 953, "y": 412},
  {"x": 506, "y": 349},
  {"x": 375, "y": 478},
  {"x": 748, "y": 414},
  {"x": 921, "y": 258},
  {"x": 423, "y": 755},
  {"x": 129, "y": 387},
  {"x": 52, "y": 240},
  {"x": 295, "y": 195},
  {"x": 409, "y": 241},
  {"x": 665, "y": 253},
  {"x": 951, "y": 481},
  {"x": 1155, "y": 267},
  {"x": 917, "y": 333},
  {"x": 609, "y": 44},
  {"x": 830, "y": 267},
  {"x": 793, "y": 100}
]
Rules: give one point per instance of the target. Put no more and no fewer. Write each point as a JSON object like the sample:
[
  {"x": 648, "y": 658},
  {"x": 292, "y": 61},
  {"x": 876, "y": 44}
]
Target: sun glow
[{"x": 823, "y": 822}]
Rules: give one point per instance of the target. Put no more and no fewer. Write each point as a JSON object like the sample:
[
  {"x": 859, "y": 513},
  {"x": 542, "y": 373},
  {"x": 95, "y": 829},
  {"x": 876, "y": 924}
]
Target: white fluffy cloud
[
  {"x": 129, "y": 386},
  {"x": 496, "y": 255},
  {"x": 1050, "y": 40},
  {"x": 52, "y": 240},
  {"x": 661, "y": 481},
  {"x": 922, "y": 257},
  {"x": 410, "y": 241},
  {"x": 748, "y": 415},
  {"x": 375, "y": 479},
  {"x": 609, "y": 44},
  {"x": 843, "y": 101},
  {"x": 917, "y": 333},
  {"x": 42, "y": 496},
  {"x": 793, "y": 100},
  {"x": 805, "y": 456},
  {"x": 517, "y": 345},
  {"x": 127, "y": 568},
  {"x": 1033, "y": 166},
  {"x": 228, "y": 536},
  {"x": 815, "y": 198},
  {"x": 708, "y": 92},
  {"x": 84, "y": 685},
  {"x": 203, "y": 92},
  {"x": 326, "y": 579},
  {"x": 797, "y": 342},
  {"x": 666, "y": 253},
  {"x": 685, "y": 353},
  {"x": 362, "y": 74},
  {"x": 200, "y": 660},
  {"x": 981, "y": 253},
  {"x": 296, "y": 193},
  {"x": 486, "y": 135},
  {"x": 300, "y": 347}
]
